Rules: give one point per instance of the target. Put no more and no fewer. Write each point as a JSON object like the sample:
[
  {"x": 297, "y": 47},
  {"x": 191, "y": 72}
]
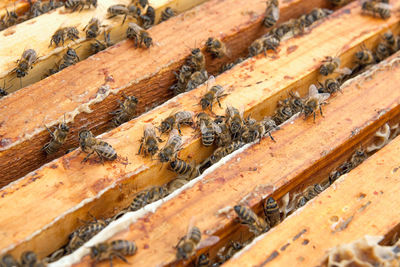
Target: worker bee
[
  {"x": 252, "y": 131},
  {"x": 283, "y": 111},
  {"x": 234, "y": 120},
  {"x": 61, "y": 34},
  {"x": 216, "y": 47},
  {"x": 155, "y": 193},
  {"x": 118, "y": 9},
  {"x": 215, "y": 93},
  {"x": 126, "y": 111},
  {"x": 176, "y": 184},
  {"x": 230, "y": 65},
  {"x": 173, "y": 145},
  {"x": 223, "y": 138},
  {"x": 308, "y": 194},
  {"x": 98, "y": 46},
  {"x": 115, "y": 248},
  {"x": 339, "y": 2},
  {"x": 256, "y": 224},
  {"x": 75, "y": 242},
  {"x": 271, "y": 211},
  {"x": 209, "y": 129},
  {"x": 196, "y": 60},
  {"x": 364, "y": 56},
  {"x": 138, "y": 201},
  {"x": 381, "y": 52},
  {"x": 391, "y": 41},
  {"x": 295, "y": 102},
  {"x": 58, "y": 138},
  {"x": 269, "y": 125},
  {"x": 176, "y": 119},
  {"x": 75, "y": 4},
  {"x": 167, "y": 14},
  {"x": 332, "y": 64},
  {"x": 90, "y": 144},
  {"x": 70, "y": 58},
  {"x": 357, "y": 158},
  {"x": 8, "y": 260},
  {"x": 25, "y": 63},
  {"x": 184, "y": 169},
  {"x": 139, "y": 35},
  {"x": 330, "y": 86},
  {"x": 92, "y": 28},
  {"x": 197, "y": 78},
  {"x": 91, "y": 229},
  {"x": 271, "y": 14},
  {"x": 29, "y": 259},
  {"x": 3, "y": 90},
  {"x": 148, "y": 19},
  {"x": 221, "y": 152},
  {"x": 376, "y": 8},
  {"x": 149, "y": 141},
  {"x": 314, "y": 101},
  {"x": 203, "y": 260}
]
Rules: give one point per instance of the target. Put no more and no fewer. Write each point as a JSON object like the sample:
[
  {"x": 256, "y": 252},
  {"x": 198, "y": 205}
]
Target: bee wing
[
  {"x": 209, "y": 241},
  {"x": 322, "y": 97},
  {"x": 210, "y": 82},
  {"x": 275, "y": 12},
  {"x": 383, "y": 5},
  {"x": 312, "y": 90},
  {"x": 217, "y": 129},
  {"x": 203, "y": 127},
  {"x": 345, "y": 71}
]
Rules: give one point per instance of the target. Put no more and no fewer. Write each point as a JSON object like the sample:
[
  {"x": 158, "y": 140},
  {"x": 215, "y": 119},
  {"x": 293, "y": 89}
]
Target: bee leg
[
  {"x": 179, "y": 129},
  {"x": 123, "y": 21},
  {"x": 101, "y": 158},
  {"x": 121, "y": 257},
  {"x": 320, "y": 111},
  {"x": 270, "y": 135},
  {"x": 140, "y": 148},
  {"x": 314, "y": 116},
  {"x": 87, "y": 157}
]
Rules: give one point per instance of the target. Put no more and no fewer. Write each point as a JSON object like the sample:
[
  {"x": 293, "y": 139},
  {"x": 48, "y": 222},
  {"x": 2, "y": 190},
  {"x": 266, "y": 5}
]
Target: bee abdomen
[
  {"x": 180, "y": 166},
  {"x": 195, "y": 234},
  {"x": 138, "y": 202},
  {"x": 124, "y": 247},
  {"x": 246, "y": 215},
  {"x": 207, "y": 138},
  {"x": 106, "y": 151},
  {"x": 271, "y": 211}
]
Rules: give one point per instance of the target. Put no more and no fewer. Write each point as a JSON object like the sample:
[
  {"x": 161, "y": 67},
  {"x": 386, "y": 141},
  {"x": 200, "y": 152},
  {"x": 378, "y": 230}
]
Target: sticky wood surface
[{"x": 147, "y": 74}]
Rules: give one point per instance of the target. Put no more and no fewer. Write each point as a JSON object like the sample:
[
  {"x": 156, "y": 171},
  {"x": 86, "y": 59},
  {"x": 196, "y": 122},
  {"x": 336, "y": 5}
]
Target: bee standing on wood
[
  {"x": 216, "y": 47},
  {"x": 75, "y": 4},
  {"x": 221, "y": 152},
  {"x": 234, "y": 120},
  {"x": 392, "y": 42},
  {"x": 209, "y": 129},
  {"x": 126, "y": 111},
  {"x": 139, "y": 201},
  {"x": 98, "y": 46},
  {"x": 314, "y": 101},
  {"x": 271, "y": 14},
  {"x": 139, "y": 35},
  {"x": 25, "y": 63},
  {"x": 155, "y": 193},
  {"x": 184, "y": 169},
  {"x": 148, "y": 18},
  {"x": 167, "y": 14},
  {"x": 70, "y": 58},
  {"x": 376, "y": 8},
  {"x": 171, "y": 148},
  {"x": 59, "y": 36},
  {"x": 215, "y": 93},
  {"x": 58, "y": 138},
  {"x": 90, "y": 144},
  {"x": 364, "y": 56},
  {"x": 330, "y": 86},
  {"x": 149, "y": 141},
  {"x": 92, "y": 28},
  {"x": 271, "y": 212},
  {"x": 176, "y": 119},
  {"x": 256, "y": 224},
  {"x": 196, "y": 79},
  {"x": 197, "y": 60},
  {"x": 332, "y": 64},
  {"x": 115, "y": 248},
  {"x": 223, "y": 138},
  {"x": 381, "y": 52}
]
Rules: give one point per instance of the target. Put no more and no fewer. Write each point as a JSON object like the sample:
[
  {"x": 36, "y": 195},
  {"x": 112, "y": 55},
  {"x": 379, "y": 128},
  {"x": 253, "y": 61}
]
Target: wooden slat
[
  {"x": 362, "y": 202},
  {"x": 107, "y": 188},
  {"x": 147, "y": 74},
  {"x": 299, "y": 156}
]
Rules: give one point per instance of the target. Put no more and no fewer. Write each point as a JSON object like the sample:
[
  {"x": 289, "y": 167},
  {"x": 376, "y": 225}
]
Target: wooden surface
[
  {"x": 345, "y": 212},
  {"x": 299, "y": 156},
  {"x": 112, "y": 184},
  {"x": 46, "y": 102}
]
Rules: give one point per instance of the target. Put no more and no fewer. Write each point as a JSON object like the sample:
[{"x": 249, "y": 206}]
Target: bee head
[
  {"x": 64, "y": 127},
  {"x": 94, "y": 252},
  {"x": 204, "y": 103}
]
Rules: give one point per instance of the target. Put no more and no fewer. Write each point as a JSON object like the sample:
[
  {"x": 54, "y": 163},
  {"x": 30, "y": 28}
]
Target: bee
[
  {"x": 314, "y": 101},
  {"x": 148, "y": 19},
  {"x": 176, "y": 119},
  {"x": 3, "y": 91},
  {"x": 167, "y": 14},
  {"x": 280, "y": 31},
  {"x": 139, "y": 35},
  {"x": 320, "y": 13},
  {"x": 332, "y": 64},
  {"x": 173, "y": 145},
  {"x": 155, "y": 193},
  {"x": 196, "y": 78},
  {"x": 296, "y": 103},
  {"x": 357, "y": 158},
  {"x": 203, "y": 260},
  {"x": 256, "y": 224},
  {"x": 184, "y": 169},
  {"x": 126, "y": 111},
  {"x": 25, "y": 63},
  {"x": 331, "y": 86},
  {"x": 308, "y": 194},
  {"x": 90, "y": 144},
  {"x": 70, "y": 58},
  {"x": 214, "y": 94},
  {"x": 382, "y": 52},
  {"x": 209, "y": 129},
  {"x": 115, "y": 248},
  {"x": 271, "y": 14},
  {"x": 138, "y": 201},
  {"x": 252, "y": 131},
  {"x": 8, "y": 260},
  {"x": 216, "y": 47},
  {"x": 90, "y": 230},
  {"x": 234, "y": 120},
  {"x": 339, "y": 2},
  {"x": 269, "y": 126},
  {"x": 391, "y": 41},
  {"x": 58, "y": 138},
  {"x": 92, "y": 28},
  {"x": 98, "y": 46},
  {"x": 75, "y": 242},
  {"x": 187, "y": 245},
  {"x": 364, "y": 57},
  {"x": 149, "y": 141},
  {"x": 196, "y": 60},
  {"x": 75, "y": 4},
  {"x": 377, "y": 8},
  {"x": 116, "y": 10},
  {"x": 230, "y": 65},
  {"x": 221, "y": 152},
  {"x": 223, "y": 138},
  {"x": 283, "y": 111},
  {"x": 61, "y": 34},
  {"x": 29, "y": 259},
  {"x": 271, "y": 212}
]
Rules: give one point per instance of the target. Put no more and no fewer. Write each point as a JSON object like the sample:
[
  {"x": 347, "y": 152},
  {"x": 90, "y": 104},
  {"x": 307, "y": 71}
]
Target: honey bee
[
  {"x": 283, "y": 111},
  {"x": 215, "y": 93},
  {"x": 8, "y": 260},
  {"x": 138, "y": 201},
  {"x": 70, "y": 58},
  {"x": 25, "y": 63},
  {"x": 149, "y": 141},
  {"x": 118, "y": 9},
  {"x": 308, "y": 194},
  {"x": 382, "y": 52},
  {"x": 314, "y": 101},
  {"x": 203, "y": 260},
  {"x": 126, "y": 111},
  {"x": 92, "y": 28},
  {"x": 139, "y": 35},
  {"x": 167, "y": 14},
  {"x": 376, "y": 8},
  {"x": 98, "y": 46},
  {"x": 234, "y": 120},
  {"x": 184, "y": 169},
  {"x": 223, "y": 138},
  {"x": 148, "y": 19},
  {"x": 391, "y": 41},
  {"x": 339, "y": 2},
  {"x": 209, "y": 129},
  {"x": 266, "y": 42},
  {"x": 75, "y": 242},
  {"x": 75, "y": 4},
  {"x": 271, "y": 14},
  {"x": 155, "y": 193},
  {"x": 115, "y": 248},
  {"x": 331, "y": 86},
  {"x": 252, "y": 131},
  {"x": 196, "y": 60},
  {"x": 357, "y": 158},
  {"x": 229, "y": 251},
  {"x": 332, "y": 64},
  {"x": 3, "y": 90},
  {"x": 216, "y": 47},
  {"x": 90, "y": 144},
  {"x": 176, "y": 119},
  {"x": 176, "y": 184},
  {"x": 295, "y": 102},
  {"x": 173, "y": 145},
  {"x": 364, "y": 56},
  {"x": 221, "y": 152},
  {"x": 58, "y": 138},
  {"x": 256, "y": 224},
  {"x": 271, "y": 211},
  {"x": 280, "y": 31},
  {"x": 187, "y": 245},
  {"x": 196, "y": 79},
  {"x": 230, "y": 65},
  {"x": 91, "y": 229},
  {"x": 61, "y": 34}
]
